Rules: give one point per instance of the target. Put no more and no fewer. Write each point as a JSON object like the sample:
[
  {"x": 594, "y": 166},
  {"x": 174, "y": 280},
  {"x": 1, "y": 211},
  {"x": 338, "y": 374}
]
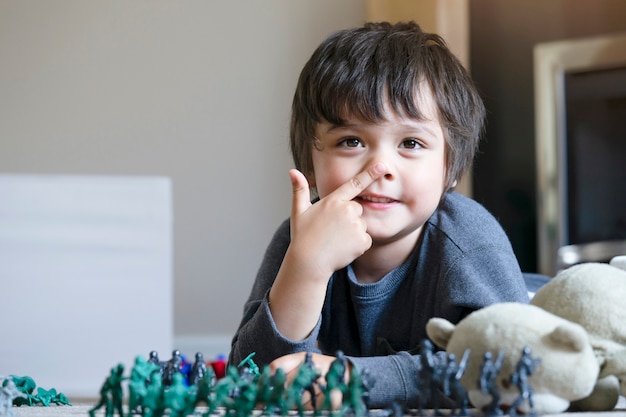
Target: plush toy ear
[
  {"x": 439, "y": 331},
  {"x": 614, "y": 364},
  {"x": 570, "y": 336}
]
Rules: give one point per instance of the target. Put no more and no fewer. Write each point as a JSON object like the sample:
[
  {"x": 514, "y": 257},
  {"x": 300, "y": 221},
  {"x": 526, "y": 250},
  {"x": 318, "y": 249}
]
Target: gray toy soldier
[
  {"x": 8, "y": 392},
  {"x": 524, "y": 368},
  {"x": 429, "y": 377},
  {"x": 451, "y": 383},
  {"x": 487, "y": 382},
  {"x": 198, "y": 370}
]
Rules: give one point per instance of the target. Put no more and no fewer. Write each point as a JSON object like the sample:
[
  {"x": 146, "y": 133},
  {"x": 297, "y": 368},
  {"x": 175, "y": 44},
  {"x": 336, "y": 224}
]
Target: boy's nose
[
  {"x": 389, "y": 173},
  {"x": 385, "y": 156}
]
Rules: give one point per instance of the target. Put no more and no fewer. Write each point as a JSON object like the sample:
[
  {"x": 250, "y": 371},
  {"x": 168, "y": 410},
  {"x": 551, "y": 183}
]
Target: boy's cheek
[{"x": 331, "y": 177}]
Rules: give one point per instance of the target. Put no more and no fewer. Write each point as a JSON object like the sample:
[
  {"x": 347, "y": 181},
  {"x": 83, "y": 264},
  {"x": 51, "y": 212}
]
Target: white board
[{"x": 85, "y": 276}]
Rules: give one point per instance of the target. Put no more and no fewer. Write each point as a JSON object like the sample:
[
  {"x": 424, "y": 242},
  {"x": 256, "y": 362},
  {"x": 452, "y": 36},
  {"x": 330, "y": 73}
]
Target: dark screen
[{"x": 596, "y": 155}]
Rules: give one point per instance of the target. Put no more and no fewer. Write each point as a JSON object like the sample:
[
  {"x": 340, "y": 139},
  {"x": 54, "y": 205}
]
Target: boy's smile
[
  {"x": 396, "y": 205},
  {"x": 377, "y": 202}
]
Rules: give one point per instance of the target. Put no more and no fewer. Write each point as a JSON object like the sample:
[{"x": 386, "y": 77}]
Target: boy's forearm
[
  {"x": 259, "y": 334},
  {"x": 297, "y": 296},
  {"x": 394, "y": 379}
]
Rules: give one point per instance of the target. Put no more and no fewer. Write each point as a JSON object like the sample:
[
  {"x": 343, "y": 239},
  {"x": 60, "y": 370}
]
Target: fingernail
[{"x": 379, "y": 168}]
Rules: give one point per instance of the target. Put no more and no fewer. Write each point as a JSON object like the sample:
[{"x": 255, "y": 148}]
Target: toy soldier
[
  {"x": 138, "y": 384},
  {"x": 429, "y": 377},
  {"x": 353, "y": 398},
  {"x": 9, "y": 392},
  {"x": 153, "y": 401},
  {"x": 153, "y": 358},
  {"x": 252, "y": 368},
  {"x": 488, "y": 374},
  {"x": 198, "y": 370},
  {"x": 524, "y": 368},
  {"x": 172, "y": 367},
  {"x": 177, "y": 399},
  {"x": 111, "y": 393},
  {"x": 335, "y": 379},
  {"x": 277, "y": 399},
  {"x": 204, "y": 388},
  {"x": 26, "y": 385},
  {"x": 452, "y": 386},
  {"x": 305, "y": 380},
  {"x": 225, "y": 390}
]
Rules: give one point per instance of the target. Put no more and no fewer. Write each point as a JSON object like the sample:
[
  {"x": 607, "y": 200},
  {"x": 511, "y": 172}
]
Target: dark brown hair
[{"x": 357, "y": 71}]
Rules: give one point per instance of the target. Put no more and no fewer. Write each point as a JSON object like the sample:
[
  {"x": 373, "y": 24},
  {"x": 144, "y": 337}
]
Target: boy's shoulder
[
  {"x": 463, "y": 219},
  {"x": 456, "y": 207}
]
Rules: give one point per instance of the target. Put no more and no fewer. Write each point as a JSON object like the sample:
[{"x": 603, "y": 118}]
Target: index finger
[{"x": 353, "y": 187}]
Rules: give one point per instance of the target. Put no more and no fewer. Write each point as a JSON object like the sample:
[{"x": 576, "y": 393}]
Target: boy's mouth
[{"x": 373, "y": 199}]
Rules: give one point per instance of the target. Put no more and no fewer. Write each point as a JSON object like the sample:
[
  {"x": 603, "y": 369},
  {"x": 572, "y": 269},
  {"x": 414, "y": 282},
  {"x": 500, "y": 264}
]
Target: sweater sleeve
[
  {"x": 257, "y": 331},
  {"x": 395, "y": 379}
]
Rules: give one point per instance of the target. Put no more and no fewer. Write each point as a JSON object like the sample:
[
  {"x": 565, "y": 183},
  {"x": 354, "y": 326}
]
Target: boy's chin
[{"x": 386, "y": 236}]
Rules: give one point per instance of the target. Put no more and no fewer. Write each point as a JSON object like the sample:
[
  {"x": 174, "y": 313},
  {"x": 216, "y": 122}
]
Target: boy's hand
[
  {"x": 331, "y": 233},
  {"x": 291, "y": 364},
  {"x": 325, "y": 237}
]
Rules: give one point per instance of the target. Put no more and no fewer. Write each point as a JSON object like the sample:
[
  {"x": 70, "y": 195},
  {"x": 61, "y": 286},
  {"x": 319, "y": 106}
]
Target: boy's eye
[
  {"x": 350, "y": 142},
  {"x": 411, "y": 144}
]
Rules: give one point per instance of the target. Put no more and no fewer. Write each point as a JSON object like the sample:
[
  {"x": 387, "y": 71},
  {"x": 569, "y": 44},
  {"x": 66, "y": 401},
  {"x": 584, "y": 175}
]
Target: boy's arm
[
  {"x": 395, "y": 379},
  {"x": 257, "y": 331},
  {"x": 266, "y": 323},
  {"x": 325, "y": 237},
  {"x": 394, "y": 376}
]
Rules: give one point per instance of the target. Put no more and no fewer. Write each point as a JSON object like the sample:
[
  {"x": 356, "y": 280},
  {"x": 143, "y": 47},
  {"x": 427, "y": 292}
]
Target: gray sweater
[{"x": 462, "y": 262}]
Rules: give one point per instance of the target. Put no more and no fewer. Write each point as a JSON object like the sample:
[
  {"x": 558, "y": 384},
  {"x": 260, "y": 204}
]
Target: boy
[{"x": 385, "y": 120}]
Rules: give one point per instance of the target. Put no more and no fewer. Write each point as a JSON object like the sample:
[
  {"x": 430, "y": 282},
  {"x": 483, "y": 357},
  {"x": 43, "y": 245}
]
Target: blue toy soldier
[
  {"x": 488, "y": 374},
  {"x": 198, "y": 370},
  {"x": 524, "y": 368},
  {"x": 452, "y": 386},
  {"x": 429, "y": 377},
  {"x": 172, "y": 367}
]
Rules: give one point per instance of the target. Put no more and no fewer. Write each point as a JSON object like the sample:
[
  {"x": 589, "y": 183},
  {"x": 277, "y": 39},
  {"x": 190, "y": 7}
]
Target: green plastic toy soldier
[
  {"x": 111, "y": 393},
  {"x": 177, "y": 398},
  {"x": 153, "y": 400},
  {"x": 304, "y": 381},
  {"x": 335, "y": 379},
  {"x": 353, "y": 398},
  {"x": 140, "y": 376}
]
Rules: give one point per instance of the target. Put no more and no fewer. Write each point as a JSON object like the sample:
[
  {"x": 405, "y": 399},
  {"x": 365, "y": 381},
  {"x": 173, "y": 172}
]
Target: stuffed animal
[
  {"x": 575, "y": 325},
  {"x": 567, "y": 369},
  {"x": 593, "y": 295}
]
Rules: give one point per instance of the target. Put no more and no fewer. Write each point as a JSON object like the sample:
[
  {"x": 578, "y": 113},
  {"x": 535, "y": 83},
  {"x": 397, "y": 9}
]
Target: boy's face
[{"x": 397, "y": 205}]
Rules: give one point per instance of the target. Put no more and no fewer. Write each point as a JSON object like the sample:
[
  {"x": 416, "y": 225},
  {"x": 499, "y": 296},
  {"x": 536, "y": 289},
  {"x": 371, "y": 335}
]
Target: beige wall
[{"x": 199, "y": 91}]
